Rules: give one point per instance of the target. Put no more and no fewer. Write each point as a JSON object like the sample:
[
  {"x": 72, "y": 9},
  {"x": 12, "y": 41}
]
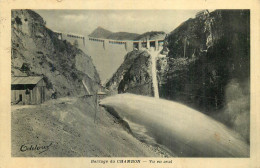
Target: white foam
[{"x": 183, "y": 130}]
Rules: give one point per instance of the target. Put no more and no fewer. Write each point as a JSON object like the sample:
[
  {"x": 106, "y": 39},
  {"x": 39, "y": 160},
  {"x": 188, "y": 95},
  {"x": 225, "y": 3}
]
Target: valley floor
[{"x": 65, "y": 128}]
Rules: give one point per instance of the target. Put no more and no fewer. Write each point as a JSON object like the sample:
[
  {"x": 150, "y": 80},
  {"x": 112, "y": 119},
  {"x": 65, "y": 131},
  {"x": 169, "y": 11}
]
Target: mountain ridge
[{"x": 101, "y": 32}]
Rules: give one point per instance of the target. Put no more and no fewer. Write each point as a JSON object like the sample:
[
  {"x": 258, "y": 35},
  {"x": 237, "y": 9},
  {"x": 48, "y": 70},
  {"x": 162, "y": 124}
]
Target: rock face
[
  {"x": 134, "y": 75},
  {"x": 36, "y": 50},
  {"x": 205, "y": 54},
  {"x": 208, "y": 66}
]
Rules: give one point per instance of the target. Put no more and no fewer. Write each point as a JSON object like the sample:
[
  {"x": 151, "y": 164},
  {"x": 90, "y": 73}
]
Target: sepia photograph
[{"x": 130, "y": 83}]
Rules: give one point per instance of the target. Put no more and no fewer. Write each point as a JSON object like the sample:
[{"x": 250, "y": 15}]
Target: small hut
[{"x": 28, "y": 90}]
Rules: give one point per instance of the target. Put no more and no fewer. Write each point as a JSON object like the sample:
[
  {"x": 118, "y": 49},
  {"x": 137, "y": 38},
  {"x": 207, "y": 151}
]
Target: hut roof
[{"x": 23, "y": 80}]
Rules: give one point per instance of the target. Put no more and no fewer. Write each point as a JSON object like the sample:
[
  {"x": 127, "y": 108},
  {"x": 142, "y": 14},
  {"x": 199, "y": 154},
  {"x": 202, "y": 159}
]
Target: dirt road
[{"x": 65, "y": 127}]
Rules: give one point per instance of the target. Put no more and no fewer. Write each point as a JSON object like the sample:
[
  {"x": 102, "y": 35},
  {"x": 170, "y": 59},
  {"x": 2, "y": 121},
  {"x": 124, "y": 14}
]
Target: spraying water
[
  {"x": 154, "y": 76},
  {"x": 185, "y": 131}
]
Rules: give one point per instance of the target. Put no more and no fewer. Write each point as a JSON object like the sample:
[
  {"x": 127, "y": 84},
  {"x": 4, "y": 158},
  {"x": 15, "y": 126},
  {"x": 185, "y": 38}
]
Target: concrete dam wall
[{"x": 108, "y": 54}]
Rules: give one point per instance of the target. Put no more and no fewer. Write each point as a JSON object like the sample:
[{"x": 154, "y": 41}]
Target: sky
[{"x": 83, "y": 22}]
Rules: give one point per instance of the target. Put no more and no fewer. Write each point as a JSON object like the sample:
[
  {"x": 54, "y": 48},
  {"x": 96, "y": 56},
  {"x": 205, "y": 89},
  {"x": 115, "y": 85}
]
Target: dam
[
  {"x": 108, "y": 54},
  {"x": 129, "y": 45}
]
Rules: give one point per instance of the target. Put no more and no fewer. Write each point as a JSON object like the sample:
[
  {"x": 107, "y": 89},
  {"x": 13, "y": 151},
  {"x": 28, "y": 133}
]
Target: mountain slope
[
  {"x": 100, "y": 33},
  {"x": 106, "y": 34},
  {"x": 205, "y": 54},
  {"x": 36, "y": 50}
]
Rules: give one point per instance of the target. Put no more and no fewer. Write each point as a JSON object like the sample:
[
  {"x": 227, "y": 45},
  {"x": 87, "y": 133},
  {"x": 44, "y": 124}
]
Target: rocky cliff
[
  {"x": 134, "y": 75},
  {"x": 208, "y": 66},
  {"x": 36, "y": 50}
]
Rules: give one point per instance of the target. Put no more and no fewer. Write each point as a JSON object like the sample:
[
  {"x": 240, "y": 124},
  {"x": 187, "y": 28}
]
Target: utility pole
[
  {"x": 99, "y": 95},
  {"x": 96, "y": 97},
  {"x": 95, "y": 101},
  {"x": 185, "y": 41}
]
